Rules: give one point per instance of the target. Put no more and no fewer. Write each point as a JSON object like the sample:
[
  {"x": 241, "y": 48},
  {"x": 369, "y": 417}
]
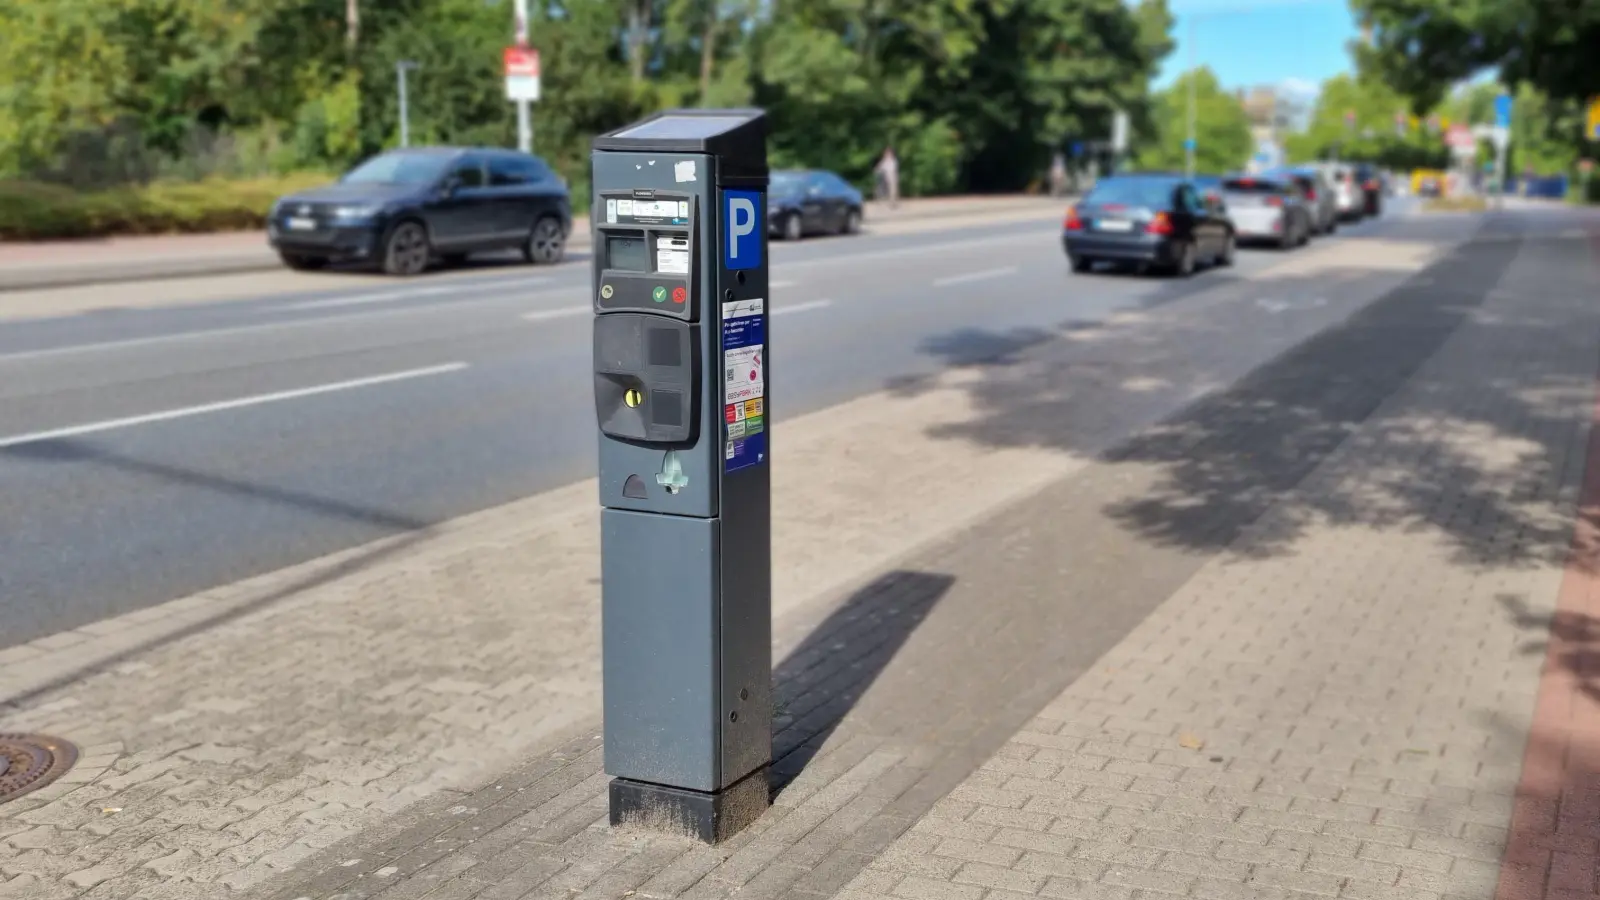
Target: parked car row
[
  {"x": 1164, "y": 221},
  {"x": 405, "y": 210}
]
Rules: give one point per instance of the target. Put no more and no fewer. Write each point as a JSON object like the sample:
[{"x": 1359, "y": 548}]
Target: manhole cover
[{"x": 31, "y": 761}]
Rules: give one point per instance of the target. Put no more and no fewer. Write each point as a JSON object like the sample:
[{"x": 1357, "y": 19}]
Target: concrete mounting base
[{"x": 708, "y": 817}]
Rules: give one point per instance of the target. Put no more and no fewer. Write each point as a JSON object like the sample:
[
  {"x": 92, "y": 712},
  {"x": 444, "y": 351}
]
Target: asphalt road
[{"x": 150, "y": 454}]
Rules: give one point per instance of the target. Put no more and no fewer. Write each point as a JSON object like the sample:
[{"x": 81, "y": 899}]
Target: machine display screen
[{"x": 627, "y": 253}]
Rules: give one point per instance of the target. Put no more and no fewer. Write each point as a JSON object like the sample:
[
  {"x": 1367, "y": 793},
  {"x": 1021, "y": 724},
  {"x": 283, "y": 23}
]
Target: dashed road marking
[{"x": 257, "y": 400}]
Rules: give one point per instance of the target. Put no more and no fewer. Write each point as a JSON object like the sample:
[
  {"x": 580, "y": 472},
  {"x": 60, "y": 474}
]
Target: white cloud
[{"x": 1299, "y": 87}]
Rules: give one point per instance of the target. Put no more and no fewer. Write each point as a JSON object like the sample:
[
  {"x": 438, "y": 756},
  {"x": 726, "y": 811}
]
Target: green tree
[
  {"x": 1222, "y": 129},
  {"x": 973, "y": 93},
  {"x": 1422, "y": 47},
  {"x": 1363, "y": 119},
  {"x": 1541, "y": 131}
]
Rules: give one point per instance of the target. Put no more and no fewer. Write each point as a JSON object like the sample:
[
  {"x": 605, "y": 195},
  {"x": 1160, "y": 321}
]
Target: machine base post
[{"x": 707, "y": 817}]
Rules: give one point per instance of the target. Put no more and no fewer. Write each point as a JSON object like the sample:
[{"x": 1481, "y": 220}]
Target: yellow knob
[{"x": 633, "y": 397}]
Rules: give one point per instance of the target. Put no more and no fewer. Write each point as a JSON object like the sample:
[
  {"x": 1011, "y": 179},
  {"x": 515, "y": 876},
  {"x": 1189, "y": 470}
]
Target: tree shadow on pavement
[
  {"x": 820, "y": 680},
  {"x": 1553, "y": 845},
  {"x": 1245, "y": 438},
  {"x": 1571, "y": 639}
]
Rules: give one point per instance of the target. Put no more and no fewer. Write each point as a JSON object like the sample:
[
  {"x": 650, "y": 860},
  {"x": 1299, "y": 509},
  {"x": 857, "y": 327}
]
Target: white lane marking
[
  {"x": 362, "y": 299},
  {"x": 474, "y": 289},
  {"x": 563, "y": 312},
  {"x": 257, "y": 400},
  {"x": 1278, "y": 306},
  {"x": 203, "y": 334},
  {"x": 1021, "y": 239},
  {"x": 782, "y": 284},
  {"x": 802, "y": 307},
  {"x": 975, "y": 276}
]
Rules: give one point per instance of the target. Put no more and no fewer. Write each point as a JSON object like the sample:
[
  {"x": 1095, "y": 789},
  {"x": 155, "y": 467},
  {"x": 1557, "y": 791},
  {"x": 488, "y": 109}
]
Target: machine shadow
[{"x": 820, "y": 681}]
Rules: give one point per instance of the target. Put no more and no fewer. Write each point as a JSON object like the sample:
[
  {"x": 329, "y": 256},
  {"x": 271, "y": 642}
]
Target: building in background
[{"x": 1273, "y": 114}]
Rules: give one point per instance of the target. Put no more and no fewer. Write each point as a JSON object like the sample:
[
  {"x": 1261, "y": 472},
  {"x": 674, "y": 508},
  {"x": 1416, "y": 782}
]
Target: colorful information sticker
[{"x": 744, "y": 384}]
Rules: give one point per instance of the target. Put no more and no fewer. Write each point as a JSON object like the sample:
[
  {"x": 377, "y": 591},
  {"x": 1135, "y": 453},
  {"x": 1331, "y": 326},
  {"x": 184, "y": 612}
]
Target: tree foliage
[
  {"x": 1423, "y": 47},
  {"x": 974, "y": 94},
  {"x": 1363, "y": 119},
  {"x": 1222, "y": 129}
]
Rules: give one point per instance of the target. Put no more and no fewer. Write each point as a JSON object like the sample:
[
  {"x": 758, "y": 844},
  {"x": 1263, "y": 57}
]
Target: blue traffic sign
[
  {"x": 1188, "y": 144},
  {"x": 1502, "y": 110},
  {"x": 741, "y": 242}
]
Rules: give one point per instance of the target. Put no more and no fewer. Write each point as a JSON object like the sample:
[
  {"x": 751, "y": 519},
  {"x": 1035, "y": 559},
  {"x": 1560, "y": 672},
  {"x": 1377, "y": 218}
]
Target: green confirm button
[{"x": 659, "y": 295}]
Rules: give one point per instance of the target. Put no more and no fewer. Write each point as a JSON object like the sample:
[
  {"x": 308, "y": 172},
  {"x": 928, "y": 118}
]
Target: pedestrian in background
[
  {"x": 889, "y": 177},
  {"x": 1058, "y": 175}
]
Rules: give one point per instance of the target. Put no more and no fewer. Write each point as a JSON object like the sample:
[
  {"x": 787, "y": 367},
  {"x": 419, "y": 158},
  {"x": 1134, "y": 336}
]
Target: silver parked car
[
  {"x": 1319, "y": 195},
  {"x": 1349, "y": 200},
  {"x": 1267, "y": 209}
]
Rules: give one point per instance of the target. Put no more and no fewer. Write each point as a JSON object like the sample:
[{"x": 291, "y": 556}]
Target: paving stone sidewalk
[
  {"x": 241, "y": 735},
  {"x": 1277, "y": 647},
  {"x": 1337, "y": 705}
]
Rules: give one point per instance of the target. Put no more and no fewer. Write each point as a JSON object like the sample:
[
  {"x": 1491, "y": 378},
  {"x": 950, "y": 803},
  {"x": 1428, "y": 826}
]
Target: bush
[
  {"x": 34, "y": 211},
  {"x": 1585, "y": 190}
]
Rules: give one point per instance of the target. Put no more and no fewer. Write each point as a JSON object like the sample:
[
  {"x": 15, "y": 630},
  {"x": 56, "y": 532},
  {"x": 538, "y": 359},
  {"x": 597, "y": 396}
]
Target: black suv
[{"x": 402, "y": 209}]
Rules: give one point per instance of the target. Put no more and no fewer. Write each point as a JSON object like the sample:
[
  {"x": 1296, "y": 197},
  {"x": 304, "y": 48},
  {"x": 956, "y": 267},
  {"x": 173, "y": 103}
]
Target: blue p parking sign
[{"x": 741, "y": 229}]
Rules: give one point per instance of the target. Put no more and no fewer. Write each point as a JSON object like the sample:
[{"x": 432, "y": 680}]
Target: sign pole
[
  {"x": 405, "y": 117},
  {"x": 1503, "y": 106},
  {"x": 1189, "y": 142},
  {"x": 400, "y": 69},
  {"x": 1500, "y": 174},
  {"x": 524, "y": 112}
]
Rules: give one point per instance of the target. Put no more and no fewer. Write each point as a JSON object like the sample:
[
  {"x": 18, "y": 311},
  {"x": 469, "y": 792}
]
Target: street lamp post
[
  {"x": 400, "y": 70},
  {"x": 1189, "y": 143}
]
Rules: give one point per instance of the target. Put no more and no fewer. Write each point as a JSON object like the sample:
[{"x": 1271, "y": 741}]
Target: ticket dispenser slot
[{"x": 644, "y": 371}]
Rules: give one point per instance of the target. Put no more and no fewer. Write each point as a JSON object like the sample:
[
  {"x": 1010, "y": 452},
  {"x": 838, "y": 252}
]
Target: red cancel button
[{"x": 679, "y": 295}]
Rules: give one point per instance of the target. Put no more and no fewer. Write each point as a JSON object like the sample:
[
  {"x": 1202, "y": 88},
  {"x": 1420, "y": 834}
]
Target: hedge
[{"x": 34, "y": 211}]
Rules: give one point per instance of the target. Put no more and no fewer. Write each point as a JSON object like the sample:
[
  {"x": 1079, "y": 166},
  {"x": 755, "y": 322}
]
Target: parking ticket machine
[{"x": 681, "y": 367}]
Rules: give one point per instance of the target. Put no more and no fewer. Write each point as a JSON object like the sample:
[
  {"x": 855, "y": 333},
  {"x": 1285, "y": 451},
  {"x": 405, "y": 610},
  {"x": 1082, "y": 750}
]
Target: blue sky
[{"x": 1250, "y": 42}]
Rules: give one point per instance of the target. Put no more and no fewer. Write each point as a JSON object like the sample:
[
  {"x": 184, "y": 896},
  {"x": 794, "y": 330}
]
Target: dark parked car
[
  {"x": 809, "y": 201},
  {"x": 1209, "y": 186},
  {"x": 1370, "y": 187},
  {"x": 1148, "y": 219},
  {"x": 402, "y": 209}
]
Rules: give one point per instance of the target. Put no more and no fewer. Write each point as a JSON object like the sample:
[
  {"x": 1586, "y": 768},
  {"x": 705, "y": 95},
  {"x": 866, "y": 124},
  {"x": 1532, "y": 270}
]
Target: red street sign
[
  {"x": 1460, "y": 136},
  {"x": 522, "y": 62}
]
